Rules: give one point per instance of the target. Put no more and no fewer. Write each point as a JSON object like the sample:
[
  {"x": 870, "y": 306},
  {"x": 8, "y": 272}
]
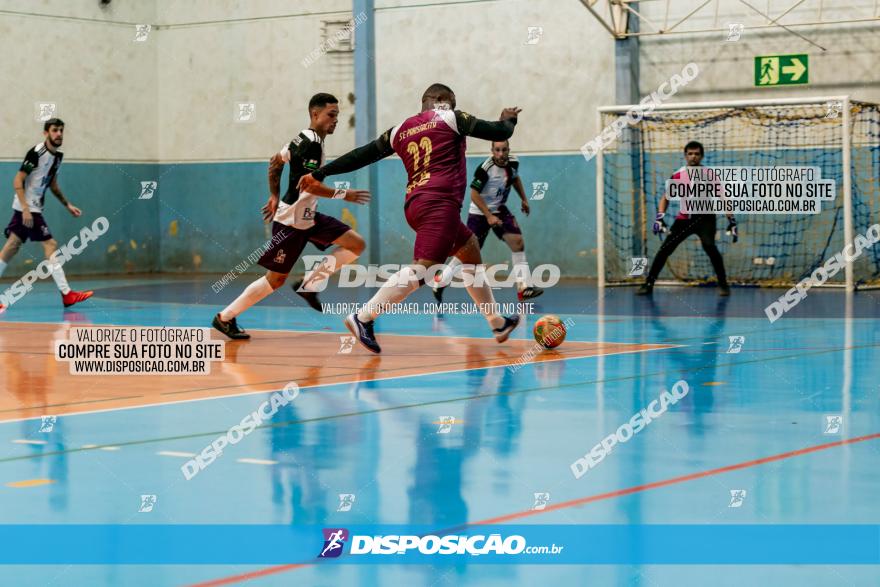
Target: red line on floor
[
  {"x": 580, "y": 501},
  {"x": 248, "y": 576}
]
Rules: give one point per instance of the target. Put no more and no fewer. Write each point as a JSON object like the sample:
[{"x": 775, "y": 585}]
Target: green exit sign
[{"x": 782, "y": 70}]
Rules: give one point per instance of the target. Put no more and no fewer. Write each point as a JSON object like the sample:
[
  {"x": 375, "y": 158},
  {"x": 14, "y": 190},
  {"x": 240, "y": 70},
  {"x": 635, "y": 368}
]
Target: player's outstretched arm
[
  {"x": 276, "y": 167},
  {"x": 498, "y": 130},
  {"x": 18, "y": 186},
  {"x": 480, "y": 203},
  {"x": 56, "y": 190},
  {"x": 659, "y": 225},
  {"x": 357, "y": 158},
  {"x": 311, "y": 185},
  {"x": 732, "y": 230},
  {"x": 518, "y": 186}
]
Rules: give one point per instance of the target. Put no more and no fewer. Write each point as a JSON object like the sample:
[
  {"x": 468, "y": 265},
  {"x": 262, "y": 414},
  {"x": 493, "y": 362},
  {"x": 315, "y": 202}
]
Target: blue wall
[
  {"x": 561, "y": 228},
  {"x": 131, "y": 244},
  {"x": 205, "y": 217}
]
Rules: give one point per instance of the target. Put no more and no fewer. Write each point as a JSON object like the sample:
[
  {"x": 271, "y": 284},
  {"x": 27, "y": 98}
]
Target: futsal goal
[{"x": 838, "y": 135}]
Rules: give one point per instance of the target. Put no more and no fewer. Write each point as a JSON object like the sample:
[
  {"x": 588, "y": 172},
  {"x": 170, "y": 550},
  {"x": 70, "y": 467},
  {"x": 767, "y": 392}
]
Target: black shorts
[
  {"x": 287, "y": 243},
  {"x": 38, "y": 232},
  {"x": 479, "y": 225}
]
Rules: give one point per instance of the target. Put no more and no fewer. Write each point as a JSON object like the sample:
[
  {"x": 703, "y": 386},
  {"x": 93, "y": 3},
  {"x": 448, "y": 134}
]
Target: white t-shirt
[{"x": 41, "y": 167}]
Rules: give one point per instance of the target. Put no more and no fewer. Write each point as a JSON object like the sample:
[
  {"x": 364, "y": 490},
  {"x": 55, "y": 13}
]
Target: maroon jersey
[{"x": 433, "y": 151}]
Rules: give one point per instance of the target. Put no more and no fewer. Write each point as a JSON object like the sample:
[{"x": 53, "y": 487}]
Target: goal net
[{"x": 838, "y": 135}]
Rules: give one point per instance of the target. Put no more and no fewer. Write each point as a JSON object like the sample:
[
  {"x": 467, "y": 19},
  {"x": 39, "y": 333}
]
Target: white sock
[
  {"x": 316, "y": 279},
  {"x": 482, "y": 295},
  {"x": 521, "y": 270},
  {"x": 3, "y": 265},
  {"x": 60, "y": 279},
  {"x": 250, "y": 296},
  {"x": 449, "y": 272},
  {"x": 394, "y": 291}
]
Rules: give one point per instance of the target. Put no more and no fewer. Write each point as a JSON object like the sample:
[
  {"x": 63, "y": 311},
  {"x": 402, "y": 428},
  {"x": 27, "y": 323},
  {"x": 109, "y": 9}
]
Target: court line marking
[
  {"x": 175, "y": 453},
  {"x": 249, "y": 461},
  {"x": 415, "y": 405},
  {"x": 246, "y": 393},
  {"x": 30, "y": 483},
  {"x": 28, "y": 441},
  {"x": 100, "y": 447},
  {"x": 573, "y": 503},
  {"x": 89, "y": 401},
  {"x": 659, "y": 347},
  {"x": 313, "y": 332}
]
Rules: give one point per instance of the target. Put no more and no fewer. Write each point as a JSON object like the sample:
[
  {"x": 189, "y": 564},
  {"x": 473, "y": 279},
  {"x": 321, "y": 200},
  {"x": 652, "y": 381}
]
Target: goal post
[{"x": 837, "y": 135}]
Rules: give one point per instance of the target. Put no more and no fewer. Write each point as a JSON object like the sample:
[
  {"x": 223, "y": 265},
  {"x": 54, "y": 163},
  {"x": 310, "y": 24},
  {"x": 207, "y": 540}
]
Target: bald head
[{"x": 436, "y": 94}]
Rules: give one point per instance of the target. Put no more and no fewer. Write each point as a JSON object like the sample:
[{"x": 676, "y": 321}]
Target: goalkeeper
[{"x": 702, "y": 225}]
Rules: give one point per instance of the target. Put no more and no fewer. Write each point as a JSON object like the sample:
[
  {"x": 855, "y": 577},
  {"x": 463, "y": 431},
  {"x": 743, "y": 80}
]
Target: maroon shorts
[
  {"x": 439, "y": 229},
  {"x": 479, "y": 225},
  {"x": 287, "y": 242},
  {"x": 38, "y": 232}
]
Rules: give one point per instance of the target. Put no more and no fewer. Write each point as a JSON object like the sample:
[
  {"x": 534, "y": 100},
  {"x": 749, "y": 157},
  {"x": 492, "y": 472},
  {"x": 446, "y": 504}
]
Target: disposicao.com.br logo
[{"x": 448, "y": 544}]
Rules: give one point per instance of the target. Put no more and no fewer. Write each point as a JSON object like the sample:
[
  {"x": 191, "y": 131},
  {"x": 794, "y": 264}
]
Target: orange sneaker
[{"x": 75, "y": 297}]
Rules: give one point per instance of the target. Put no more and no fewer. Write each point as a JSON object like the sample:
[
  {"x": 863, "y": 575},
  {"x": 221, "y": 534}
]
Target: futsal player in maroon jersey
[{"x": 431, "y": 145}]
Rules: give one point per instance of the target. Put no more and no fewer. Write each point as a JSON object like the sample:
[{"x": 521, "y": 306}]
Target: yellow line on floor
[{"x": 30, "y": 483}]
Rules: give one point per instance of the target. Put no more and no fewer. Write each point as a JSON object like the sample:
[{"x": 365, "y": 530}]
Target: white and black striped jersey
[
  {"x": 493, "y": 182},
  {"x": 304, "y": 154},
  {"x": 41, "y": 167}
]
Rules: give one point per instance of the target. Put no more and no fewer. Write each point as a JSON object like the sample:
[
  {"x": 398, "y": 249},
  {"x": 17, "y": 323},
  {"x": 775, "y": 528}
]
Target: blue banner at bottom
[{"x": 401, "y": 544}]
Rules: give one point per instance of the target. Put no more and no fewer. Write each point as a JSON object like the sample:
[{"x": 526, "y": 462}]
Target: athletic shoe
[
  {"x": 529, "y": 293},
  {"x": 437, "y": 289},
  {"x": 310, "y": 297},
  {"x": 503, "y": 333},
  {"x": 2, "y": 308},
  {"x": 645, "y": 290},
  {"x": 230, "y": 328},
  {"x": 724, "y": 290},
  {"x": 363, "y": 332},
  {"x": 75, "y": 297}
]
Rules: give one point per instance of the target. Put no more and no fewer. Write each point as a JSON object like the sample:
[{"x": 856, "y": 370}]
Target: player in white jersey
[
  {"x": 296, "y": 221},
  {"x": 489, "y": 191},
  {"x": 38, "y": 172}
]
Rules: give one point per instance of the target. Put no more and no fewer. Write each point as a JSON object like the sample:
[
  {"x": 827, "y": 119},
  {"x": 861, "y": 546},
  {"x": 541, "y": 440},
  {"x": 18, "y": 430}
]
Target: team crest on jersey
[
  {"x": 279, "y": 257},
  {"x": 308, "y": 214}
]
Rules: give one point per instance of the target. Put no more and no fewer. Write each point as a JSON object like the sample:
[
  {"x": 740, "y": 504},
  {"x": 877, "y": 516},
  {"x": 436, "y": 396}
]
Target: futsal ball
[{"x": 549, "y": 331}]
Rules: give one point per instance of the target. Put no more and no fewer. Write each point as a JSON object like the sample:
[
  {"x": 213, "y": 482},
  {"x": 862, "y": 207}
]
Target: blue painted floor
[{"x": 516, "y": 434}]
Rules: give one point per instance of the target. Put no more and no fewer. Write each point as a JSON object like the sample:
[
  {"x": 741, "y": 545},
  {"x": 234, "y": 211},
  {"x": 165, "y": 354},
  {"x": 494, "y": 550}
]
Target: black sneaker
[
  {"x": 363, "y": 332},
  {"x": 724, "y": 290},
  {"x": 230, "y": 328},
  {"x": 503, "y": 333},
  {"x": 310, "y": 297},
  {"x": 646, "y": 289},
  {"x": 529, "y": 293}
]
